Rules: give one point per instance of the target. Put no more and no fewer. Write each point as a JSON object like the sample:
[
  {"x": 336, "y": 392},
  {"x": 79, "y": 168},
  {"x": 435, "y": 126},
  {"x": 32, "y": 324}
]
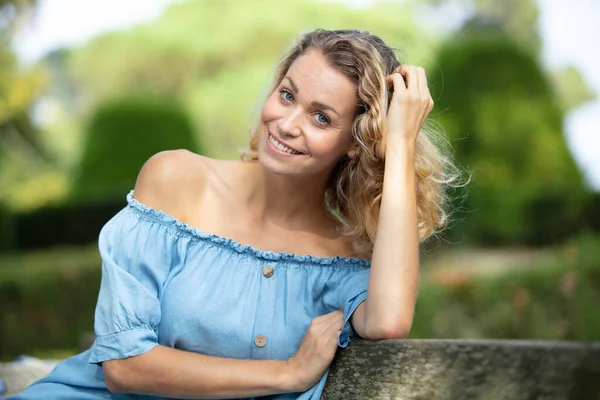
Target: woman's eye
[
  {"x": 322, "y": 119},
  {"x": 287, "y": 96}
]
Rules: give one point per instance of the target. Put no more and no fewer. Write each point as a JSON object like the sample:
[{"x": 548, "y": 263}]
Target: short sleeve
[
  {"x": 136, "y": 254},
  {"x": 347, "y": 289}
]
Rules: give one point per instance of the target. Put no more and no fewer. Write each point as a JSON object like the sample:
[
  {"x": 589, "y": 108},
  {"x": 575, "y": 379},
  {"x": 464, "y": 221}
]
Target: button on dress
[{"x": 165, "y": 282}]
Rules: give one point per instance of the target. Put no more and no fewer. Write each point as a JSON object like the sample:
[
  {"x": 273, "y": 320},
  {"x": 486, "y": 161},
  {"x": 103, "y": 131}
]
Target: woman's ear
[{"x": 354, "y": 152}]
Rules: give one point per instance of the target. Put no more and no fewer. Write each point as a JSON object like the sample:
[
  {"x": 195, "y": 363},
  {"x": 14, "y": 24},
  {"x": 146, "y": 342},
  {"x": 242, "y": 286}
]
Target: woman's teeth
[{"x": 281, "y": 147}]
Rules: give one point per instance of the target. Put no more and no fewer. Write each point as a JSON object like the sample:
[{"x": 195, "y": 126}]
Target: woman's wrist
[
  {"x": 289, "y": 378},
  {"x": 399, "y": 144}
]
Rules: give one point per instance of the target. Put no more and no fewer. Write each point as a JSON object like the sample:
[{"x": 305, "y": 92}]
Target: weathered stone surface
[{"x": 465, "y": 370}]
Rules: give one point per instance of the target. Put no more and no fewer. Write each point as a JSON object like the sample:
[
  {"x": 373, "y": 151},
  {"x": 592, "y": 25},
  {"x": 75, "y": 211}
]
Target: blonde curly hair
[{"x": 355, "y": 187}]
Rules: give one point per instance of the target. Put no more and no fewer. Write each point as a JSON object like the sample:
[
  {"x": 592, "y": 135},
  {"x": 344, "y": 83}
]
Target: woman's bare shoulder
[{"x": 170, "y": 178}]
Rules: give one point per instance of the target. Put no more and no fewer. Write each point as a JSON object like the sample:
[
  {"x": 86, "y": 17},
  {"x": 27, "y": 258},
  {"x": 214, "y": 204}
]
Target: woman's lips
[{"x": 282, "y": 147}]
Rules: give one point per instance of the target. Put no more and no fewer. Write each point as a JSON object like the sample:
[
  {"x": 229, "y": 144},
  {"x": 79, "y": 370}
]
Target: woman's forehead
[{"x": 314, "y": 78}]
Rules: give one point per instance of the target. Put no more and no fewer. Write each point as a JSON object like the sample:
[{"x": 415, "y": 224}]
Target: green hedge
[
  {"x": 6, "y": 228},
  {"x": 560, "y": 300},
  {"x": 122, "y": 135},
  {"x": 47, "y": 300},
  {"x": 68, "y": 224}
]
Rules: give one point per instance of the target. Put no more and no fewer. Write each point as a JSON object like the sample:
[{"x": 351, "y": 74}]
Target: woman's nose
[{"x": 290, "y": 124}]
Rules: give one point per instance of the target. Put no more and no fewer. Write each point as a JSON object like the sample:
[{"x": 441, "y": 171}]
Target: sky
[{"x": 566, "y": 28}]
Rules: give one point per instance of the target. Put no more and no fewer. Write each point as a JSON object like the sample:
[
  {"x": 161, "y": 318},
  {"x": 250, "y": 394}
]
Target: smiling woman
[
  {"x": 330, "y": 69},
  {"x": 229, "y": 279}
]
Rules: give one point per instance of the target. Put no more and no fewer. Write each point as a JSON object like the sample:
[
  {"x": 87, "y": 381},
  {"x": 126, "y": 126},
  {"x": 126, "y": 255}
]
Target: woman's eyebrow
[
  {"x": 324, "y": 107},
  {"x": 314, "y": 103},
  {"x": 294, "y": 87}
]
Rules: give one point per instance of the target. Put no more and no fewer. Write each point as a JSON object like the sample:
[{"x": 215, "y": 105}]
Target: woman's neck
[{"x": 284, "y": 200}]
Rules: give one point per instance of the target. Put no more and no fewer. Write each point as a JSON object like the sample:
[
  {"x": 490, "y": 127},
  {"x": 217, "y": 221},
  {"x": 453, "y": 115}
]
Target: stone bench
[
  {"x": 465, "y": 370},
  {"x": 438, "y": 369}
]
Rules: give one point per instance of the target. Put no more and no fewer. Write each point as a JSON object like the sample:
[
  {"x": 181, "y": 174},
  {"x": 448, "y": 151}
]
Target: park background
[{"x": 520, "y": 260}]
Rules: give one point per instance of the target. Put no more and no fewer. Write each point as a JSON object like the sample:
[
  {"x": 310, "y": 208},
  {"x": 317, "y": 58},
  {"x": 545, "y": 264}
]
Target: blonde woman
[{"x": 240, "y": 279}]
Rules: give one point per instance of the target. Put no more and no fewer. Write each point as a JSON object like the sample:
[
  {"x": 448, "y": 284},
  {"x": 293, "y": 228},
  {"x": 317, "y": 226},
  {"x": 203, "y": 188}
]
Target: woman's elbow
[
  {"x": 391, "y": 330},
  {"x": 116, "y": 377}
]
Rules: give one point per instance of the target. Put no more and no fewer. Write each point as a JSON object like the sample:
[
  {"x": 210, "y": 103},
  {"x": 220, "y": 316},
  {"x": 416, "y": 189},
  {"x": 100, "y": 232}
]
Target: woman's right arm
[{"x": 168, "y": 372}]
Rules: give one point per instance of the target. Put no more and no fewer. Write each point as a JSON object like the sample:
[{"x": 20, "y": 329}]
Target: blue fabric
[{"x": 165, "y": 282}]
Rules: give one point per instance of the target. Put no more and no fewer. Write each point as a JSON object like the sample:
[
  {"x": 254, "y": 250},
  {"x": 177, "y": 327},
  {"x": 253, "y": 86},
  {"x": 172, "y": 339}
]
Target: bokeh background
[{"x": 90, "y": 90}]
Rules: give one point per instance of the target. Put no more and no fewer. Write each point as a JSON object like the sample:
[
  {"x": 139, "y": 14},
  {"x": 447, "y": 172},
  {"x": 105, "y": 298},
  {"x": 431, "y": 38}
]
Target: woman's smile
[{"x": 280, "y": 148}]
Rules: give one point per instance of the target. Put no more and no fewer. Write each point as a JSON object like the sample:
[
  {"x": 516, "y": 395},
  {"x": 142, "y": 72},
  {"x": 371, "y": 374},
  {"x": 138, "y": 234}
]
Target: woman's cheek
[
  {"x": 269, "y": 110},
  {"x": 322, "y": 146}
]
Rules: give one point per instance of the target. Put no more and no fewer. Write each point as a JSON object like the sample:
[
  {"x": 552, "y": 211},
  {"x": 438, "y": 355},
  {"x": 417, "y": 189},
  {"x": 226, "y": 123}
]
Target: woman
[{"x": 237, "y": 279}]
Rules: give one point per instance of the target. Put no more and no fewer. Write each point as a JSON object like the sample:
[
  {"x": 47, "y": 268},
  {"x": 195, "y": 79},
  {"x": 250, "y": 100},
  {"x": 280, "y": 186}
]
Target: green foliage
[
  {"x": 558, "y": 301},
  {"x": 123, "y": 134},
  {"x": 571, "y": 87},
  {"x": 59, "y": 224},
  {"x": 12, "y": 13},
  {"x": 498, "y": 108},
  {"x": 47, "y": 299},
  {"x": 6, "y": 228},
  {"x": 23, "y": 154},
  {"x": 517, "y": 18},
  {"x": 19, "y": 88}
]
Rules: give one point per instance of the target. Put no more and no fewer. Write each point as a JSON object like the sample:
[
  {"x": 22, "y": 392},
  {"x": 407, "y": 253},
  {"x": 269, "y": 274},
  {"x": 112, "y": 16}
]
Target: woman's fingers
[
  {"x": 412, "y": 75},
  {"x": 423, "y": 88},
  {"x": 416, "y": 83},
  {"x": 330, "y": 318},
  {"x": 410, "y": 103},
  {"x": 396, "y": 80}
]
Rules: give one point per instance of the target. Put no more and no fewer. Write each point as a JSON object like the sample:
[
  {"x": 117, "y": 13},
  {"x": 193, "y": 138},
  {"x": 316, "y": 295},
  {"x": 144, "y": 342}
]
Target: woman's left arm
[{"x": 388, "y": 311}]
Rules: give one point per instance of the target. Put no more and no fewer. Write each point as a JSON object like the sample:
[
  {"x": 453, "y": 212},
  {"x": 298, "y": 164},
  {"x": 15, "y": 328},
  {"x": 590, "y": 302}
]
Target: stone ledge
[
  {"x": 437, "y": 370},
  {"x": 465, "y": 370}
]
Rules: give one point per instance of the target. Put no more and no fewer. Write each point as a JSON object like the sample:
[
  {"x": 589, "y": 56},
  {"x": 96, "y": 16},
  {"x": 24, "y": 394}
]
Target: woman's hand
[
  {"x": 316, "y": 350},
  {"x": 411, "y": 103}
]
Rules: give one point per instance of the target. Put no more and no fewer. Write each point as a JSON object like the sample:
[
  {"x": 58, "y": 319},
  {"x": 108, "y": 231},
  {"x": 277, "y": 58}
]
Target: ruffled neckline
[{"x": 187, "y": 229}]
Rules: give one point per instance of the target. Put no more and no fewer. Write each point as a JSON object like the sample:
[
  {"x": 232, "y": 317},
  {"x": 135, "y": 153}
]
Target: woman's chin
[{"x": 276, "y": 167}]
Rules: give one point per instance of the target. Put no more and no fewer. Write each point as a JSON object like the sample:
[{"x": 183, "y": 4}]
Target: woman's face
[{"x": 306, "y": 123}]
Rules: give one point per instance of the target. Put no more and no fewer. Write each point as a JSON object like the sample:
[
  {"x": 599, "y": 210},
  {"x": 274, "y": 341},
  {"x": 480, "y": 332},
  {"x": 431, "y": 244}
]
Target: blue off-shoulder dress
[{"x": 165, "y": 282}]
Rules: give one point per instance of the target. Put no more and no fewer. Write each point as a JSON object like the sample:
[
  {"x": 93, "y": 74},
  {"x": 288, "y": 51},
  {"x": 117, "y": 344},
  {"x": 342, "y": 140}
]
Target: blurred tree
[
  {"x": 15, "y": 12},
  {"x": 25, "y": 161},
  {"x": 499, "y": 107},
  {"x": 519, "y": 17},
  {"x": 17, "y": 88},
  {"x": 519, "y": 20},
  {"x": 571, "y": 88},
  {"x": 123, "y": 134}
]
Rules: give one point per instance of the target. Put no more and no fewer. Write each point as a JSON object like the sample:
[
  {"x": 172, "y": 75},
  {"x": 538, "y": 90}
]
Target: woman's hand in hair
[{"x": 411, "y": 103}]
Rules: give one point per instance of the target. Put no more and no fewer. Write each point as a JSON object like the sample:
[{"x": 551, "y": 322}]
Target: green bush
[
  {"x": 69, "y": 224},
  {"x": 506, "y": 124},
  {"x": 6, "y": 228},
  {"x": 47, "y": 299},
  {"x": 122, "y": 135},
  {"x": 556, "y": 301}
]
